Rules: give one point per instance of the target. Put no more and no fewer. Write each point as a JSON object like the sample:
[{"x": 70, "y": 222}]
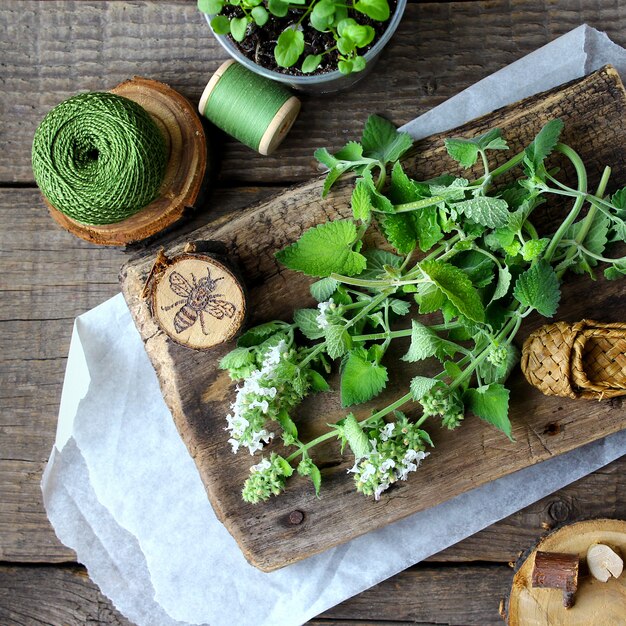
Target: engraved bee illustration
[{"x": 196, "y": 300}]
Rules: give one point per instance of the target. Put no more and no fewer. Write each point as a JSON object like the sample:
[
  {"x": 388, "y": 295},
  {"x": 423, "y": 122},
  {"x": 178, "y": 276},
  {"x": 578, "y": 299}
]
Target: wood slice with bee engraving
[{"x": 197, "y": 301}]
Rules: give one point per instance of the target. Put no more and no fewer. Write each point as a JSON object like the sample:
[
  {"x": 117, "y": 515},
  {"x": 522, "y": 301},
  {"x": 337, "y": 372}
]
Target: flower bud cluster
[
  {"x": 260, "y": 398},
  {"x": 267, "y": 478},
  {"x": 444, "y": 401},
  {"x": 325, "y": 308},
  {"x": 397, "y": 448},
  {"x": 498, "y": 356}
]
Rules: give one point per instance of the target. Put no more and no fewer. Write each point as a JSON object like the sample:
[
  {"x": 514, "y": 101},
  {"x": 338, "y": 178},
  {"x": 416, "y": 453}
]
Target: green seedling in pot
[{"x": 344, "y": 22}]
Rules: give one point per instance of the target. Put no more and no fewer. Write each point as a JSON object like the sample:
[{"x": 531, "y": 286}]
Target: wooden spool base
[
  {"x": 196, "y": 300},
  {"x": 184, "y": 174},
  {"x": 596, "y": 603}
]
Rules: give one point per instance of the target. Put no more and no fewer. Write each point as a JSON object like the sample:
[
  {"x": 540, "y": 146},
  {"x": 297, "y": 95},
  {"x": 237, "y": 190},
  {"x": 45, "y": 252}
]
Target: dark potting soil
[{"x": 259, "y": 43}]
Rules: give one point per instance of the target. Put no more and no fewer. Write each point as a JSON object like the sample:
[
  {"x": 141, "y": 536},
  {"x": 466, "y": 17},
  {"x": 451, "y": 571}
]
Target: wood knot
[
  {"x": 559, "y": 511},
  {"x": 296, "y": 517},
  {"x": 551, "y": 429}
]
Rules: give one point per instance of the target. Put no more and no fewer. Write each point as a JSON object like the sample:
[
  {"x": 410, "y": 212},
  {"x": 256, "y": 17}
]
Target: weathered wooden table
[{"x": 50, "y": 50}]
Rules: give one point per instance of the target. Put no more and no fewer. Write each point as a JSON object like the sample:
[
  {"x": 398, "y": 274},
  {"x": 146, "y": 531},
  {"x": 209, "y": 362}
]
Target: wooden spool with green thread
[{"x": 254, "y": 110}]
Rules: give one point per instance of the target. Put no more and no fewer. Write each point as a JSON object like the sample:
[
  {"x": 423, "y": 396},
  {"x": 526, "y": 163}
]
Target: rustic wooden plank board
[
  {"x": 458, "y": 596},
  {"x": 199, "y": 394},
  {"x": 50, "y": 50}
]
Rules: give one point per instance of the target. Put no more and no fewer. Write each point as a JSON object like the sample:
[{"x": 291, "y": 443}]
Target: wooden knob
[{"x": 198, "y": 301}]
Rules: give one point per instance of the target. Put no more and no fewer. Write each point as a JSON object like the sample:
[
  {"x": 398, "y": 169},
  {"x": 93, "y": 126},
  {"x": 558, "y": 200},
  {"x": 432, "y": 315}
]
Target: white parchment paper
[{"x": 122, "y": 491}]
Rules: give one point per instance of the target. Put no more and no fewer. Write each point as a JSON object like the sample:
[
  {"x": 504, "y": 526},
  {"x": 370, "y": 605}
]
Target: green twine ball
[{"x": 99, "y": 158}]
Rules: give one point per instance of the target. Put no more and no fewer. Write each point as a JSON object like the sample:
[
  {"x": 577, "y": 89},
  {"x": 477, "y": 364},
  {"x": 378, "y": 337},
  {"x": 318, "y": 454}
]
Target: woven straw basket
[{"x": 582, "y": 360}]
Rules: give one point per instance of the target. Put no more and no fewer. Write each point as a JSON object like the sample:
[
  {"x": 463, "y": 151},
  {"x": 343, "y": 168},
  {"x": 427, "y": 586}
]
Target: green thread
[
  {"x": 99, "y": 158},
  {"x": 243, "y": 104}
]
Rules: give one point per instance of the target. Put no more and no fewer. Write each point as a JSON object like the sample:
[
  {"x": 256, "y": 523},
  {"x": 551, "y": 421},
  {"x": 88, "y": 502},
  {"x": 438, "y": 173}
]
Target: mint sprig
[{"x": 466, "y": 252}]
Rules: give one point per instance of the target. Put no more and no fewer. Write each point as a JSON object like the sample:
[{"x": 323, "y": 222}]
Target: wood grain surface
[
  {"x": 199, "y": 394},
  {"x": 51, "y": 50}
]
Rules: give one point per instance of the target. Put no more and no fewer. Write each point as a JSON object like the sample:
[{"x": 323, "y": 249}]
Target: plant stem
[
  {"x": 418, "y": 204},
  {"x": 330, "y": 434},
  {"x": 581, "y": 172},
  {"x": 505, "y": 167},
  {"x": 374, "y": 302},
  {"x": 586, "y": 225},
  {"x": 406, "y": 332}
]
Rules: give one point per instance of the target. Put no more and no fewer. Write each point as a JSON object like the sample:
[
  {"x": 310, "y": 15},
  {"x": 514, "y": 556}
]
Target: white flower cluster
[
  {"x": 255, "y": 403},
  {"x": 324, "y": 307},
  {"x": 389, "y": 460}
]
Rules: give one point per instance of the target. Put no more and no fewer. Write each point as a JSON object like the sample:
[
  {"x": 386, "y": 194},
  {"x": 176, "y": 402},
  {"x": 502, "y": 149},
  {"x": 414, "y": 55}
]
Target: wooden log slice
[
  {"x": 184, "y": 174},
  {"x": 198, "y": 301},
  {"x": 597, "y": 603}
]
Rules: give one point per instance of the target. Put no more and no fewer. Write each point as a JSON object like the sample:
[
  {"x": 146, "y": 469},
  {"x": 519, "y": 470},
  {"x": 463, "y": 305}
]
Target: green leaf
[
  {"x": 316, "y": 479},
  {"x": 596, "y": 238},
  {"x": 326, "y": 158},
  {"x": 287, "y": 470},
  {"x": 361, "y": 379},
  {"x": 307, "y": 468},
  {"x": 286, "y": 423},
  {"x": 258, "y": 334},
  {"x": 338, "y": 341},
  {"x": 543, "y": 144},
  {"x": 379, "y": 262},
  {"x": 306, "y": 321},
  {"x": 361, "y": 35},
  {"x": 454, "y": 190},
  {"x": 210, "y": 6},
  {"x": 238, "y": 27},
  {"x": 452, "y": 370},
  {"x": 490, "y": 403},
  {"x": 318, "y": 382},
  {"x": 237, "y": 358},
  {"x": 358, "y": 63},
  {"x": 457, "y": 287},
  {"x": 463, "y": 151},
  {"x": 289, "y": 47},
  {"x": 421, "y": 385},
  {"x": 323, "y": 289},
  {"x": 426, "y": 343},
  {"x": 220, "y": 25},
  {"x": 401, "y": 188},
  {"x": 279, "y": 8},
  {"x": 504, "y": 282},
  {"x": 399, "y": 307},
  {"x": 431, "y": 299},
  {"x": 485, "y": 210},
  {"x": 615, "y": 272},
  {"x": 382, "y": 141},
  {"x": 260, "y": 15},
  {"x": 466, "y": 151},
  {"x": 375, "y": 9},
  {"x": 311, "y": 63},
  {"x": 618, "y": 200},
  {"x": 400, "y": 231},
  {"x": 356, "y": 438},
  {"x": 533, "y": 248},
  {"x": 333, "y": 175},
  {"x": 538, "y": 287},
  {"x": 361, "y": 203},
  {"x": 325, "y": 249},
  {"x": 352, "y": 151},
  {"x": 427, "y": 226}
]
